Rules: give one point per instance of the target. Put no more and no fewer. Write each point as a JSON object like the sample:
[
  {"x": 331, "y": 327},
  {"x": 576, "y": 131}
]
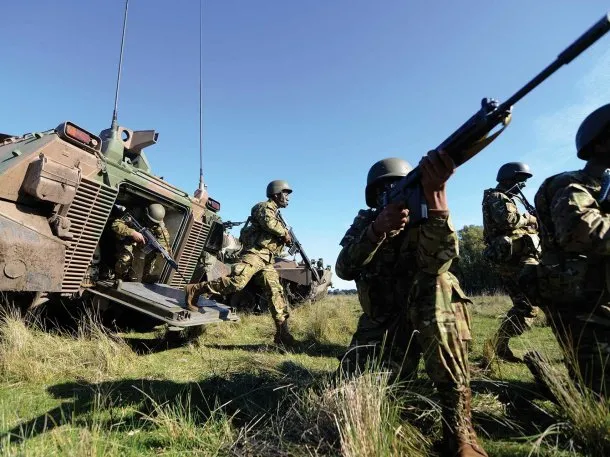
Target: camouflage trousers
[
  {"x": 585, "y": 340},
  {"x": 522, "y": 314},
  {"x": 125, "y": 259},
  {"x": 434, "y": 322},
  {"x": 252, "y": 267}
]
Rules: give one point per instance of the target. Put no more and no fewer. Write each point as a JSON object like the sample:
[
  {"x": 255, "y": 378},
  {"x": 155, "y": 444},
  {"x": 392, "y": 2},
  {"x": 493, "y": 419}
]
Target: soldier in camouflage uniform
[
  {"x": 411, "y": 302},
  {"x": 513, "y": 248},
  {"x": 574, "y": 272},
  {"x": 129, "y": 239},
  {"x": 263, "y": 238}
]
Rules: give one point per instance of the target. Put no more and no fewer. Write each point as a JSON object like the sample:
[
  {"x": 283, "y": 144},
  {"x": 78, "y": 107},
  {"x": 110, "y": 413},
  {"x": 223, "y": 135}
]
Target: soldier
[
  {"x": 263, "y": 238},
  {"x": 408, "y": 297},
  {"x": 129, "y": 239},
  {"x": 574, "y": 279},
  {"x": 513, "y": 248}
]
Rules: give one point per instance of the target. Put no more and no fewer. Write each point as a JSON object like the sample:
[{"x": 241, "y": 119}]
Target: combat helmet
[
  {"x": 277, "y": 186},
  {"x": 514, "y": 171},
  {"x": 392, "y": 167},
  {"x": 155, "y": 213},
  {"x": 594, "y": 125}
]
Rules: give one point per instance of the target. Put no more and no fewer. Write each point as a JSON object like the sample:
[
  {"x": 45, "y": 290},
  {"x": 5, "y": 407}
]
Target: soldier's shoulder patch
[{"x": 361, "y": 222}]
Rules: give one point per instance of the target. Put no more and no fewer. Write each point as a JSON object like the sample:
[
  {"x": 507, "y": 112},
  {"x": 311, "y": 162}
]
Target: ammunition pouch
[
  {"x": 562, "y": 281},
  {"x": 504, "y": 249},
  {"x": 500, "y": 250}
]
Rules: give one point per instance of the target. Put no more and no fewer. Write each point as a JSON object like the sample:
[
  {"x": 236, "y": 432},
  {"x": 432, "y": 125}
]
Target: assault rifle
[
  {"x": 151, "y": 242},
  {"x": 231, "y": 224},
  {"x": 473, "y": 135},
  {"x": 518, "y": 193},
  {"x": 296, "y": 246}
]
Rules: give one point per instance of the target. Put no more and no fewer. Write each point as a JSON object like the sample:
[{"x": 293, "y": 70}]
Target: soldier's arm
[
  {"x": 121, "y": 229},
  {"x": 506, "y": 214},
  {"x": 580, "y": 225},
  {"x": 438, "y": 244},
  {"x": 358, "y": 251},
  {"x": 268, "y": 220}
]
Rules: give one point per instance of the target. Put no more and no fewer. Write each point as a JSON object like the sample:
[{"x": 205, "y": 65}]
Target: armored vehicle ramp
[{"x": 163, "y": 302}]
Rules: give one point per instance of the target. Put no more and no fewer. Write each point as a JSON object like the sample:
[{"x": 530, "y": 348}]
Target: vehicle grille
[
  {"x": 88, "y": 215},
  {"x": 191, "y": 253}
]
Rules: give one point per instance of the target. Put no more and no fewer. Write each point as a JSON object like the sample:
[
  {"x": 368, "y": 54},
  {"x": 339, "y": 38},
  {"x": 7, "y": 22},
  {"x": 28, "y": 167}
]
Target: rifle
[
  {"x": 230, "y": 224},
  {"x": 150, "y": 240},
  {"x": 473, "y": 135},
  {"x": 528, "y": 206},
  {"x": 516, "y": 192},
  {"x": 296, "y": 246},
  {"x": 605, "y": 190}
]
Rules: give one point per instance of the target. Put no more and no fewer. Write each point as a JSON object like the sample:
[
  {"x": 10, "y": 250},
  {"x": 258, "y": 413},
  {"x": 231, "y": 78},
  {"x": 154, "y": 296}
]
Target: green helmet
[
  {"x": 155, "y": 212},
  {"x": 277, "y": 186},
  {"x": 594, "y": 125},
  {"x": 392, "y": 167},
  {"x": 514, "y": 171}
]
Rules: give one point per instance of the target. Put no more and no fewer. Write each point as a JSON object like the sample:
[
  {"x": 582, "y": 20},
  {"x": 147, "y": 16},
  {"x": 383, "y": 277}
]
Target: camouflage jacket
[
  {"x": 124, "y": 232},
  {"x": 576, "y": 238},
  {"x": 264, "y": 234},
  {"x": 501, "y": 216},
  {"x": 384, "y": 269},
  {"x": 509, "y": 235}
]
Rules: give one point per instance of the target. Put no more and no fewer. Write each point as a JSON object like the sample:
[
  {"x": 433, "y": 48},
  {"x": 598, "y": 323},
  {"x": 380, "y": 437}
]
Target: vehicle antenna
[
  {"x": 202, "y": 186},
  {"x": 118, "y": 79}
]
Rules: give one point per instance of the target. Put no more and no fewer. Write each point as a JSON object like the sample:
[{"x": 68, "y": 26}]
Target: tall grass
[
  {"x": 364, "y": 413},
  {"x": 583, "y": 417},
  {"x": 29, "y": 354},
  {"x": 182, "y": 427}
]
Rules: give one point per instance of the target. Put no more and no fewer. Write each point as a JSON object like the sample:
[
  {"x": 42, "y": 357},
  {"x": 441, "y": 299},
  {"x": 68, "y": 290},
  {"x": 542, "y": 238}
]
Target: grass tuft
[{"x": 31, "y": 355}]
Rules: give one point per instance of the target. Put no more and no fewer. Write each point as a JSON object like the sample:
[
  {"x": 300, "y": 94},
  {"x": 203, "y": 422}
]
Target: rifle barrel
[{"x": 598, "y": 30}]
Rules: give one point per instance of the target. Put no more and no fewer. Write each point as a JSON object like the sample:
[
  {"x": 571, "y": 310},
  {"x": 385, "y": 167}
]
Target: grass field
[{"x": 232, "y": 392}]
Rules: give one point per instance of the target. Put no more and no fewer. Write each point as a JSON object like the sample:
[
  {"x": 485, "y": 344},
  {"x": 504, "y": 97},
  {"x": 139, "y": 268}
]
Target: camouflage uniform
[
  {"x": 574, "y": 272},
  {"x": 263, "y": 239},
  {"x": 128, "y": 246},
  {"x": 409, "y": 297},
  {"x": 512, "y": 246}
]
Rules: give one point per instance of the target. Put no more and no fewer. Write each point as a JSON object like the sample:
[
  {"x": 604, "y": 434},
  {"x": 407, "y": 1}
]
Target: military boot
[
  {"x": 192, "y": 292},
  {"x": 282, "y": 334},
  {"x": 459, "y": 436}
]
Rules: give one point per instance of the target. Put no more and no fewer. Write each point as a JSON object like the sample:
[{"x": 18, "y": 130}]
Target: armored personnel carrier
[{"x": 58, "y": 193}]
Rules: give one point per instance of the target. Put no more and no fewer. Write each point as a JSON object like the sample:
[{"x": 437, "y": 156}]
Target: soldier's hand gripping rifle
[
  {"x": 296, "y": 246},
  {"x": 474, "y": 134},
  {"x": 150, "y": 240}
]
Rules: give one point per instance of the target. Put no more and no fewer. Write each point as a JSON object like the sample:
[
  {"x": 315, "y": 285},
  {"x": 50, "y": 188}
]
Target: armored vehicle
[
  {"x": 59, "y": 194},
  {"x": 303, "y": 280}
]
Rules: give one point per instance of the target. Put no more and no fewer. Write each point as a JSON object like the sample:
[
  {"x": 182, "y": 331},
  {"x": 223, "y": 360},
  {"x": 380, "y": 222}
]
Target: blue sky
[{"x": 312, "y": 91}]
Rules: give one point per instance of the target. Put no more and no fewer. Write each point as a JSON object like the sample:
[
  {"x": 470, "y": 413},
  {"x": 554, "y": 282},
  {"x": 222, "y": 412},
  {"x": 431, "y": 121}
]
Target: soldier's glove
[
  {"x": 288, "y": 238},
  {"x": 392, "y": 217}
]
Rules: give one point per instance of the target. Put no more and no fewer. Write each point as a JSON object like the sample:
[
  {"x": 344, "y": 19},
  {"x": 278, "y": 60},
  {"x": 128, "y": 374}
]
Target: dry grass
[
  {"x": 361, "y": 417},
  {"x": 274, "y": 401},
  {"x": 29, "y": 354},
  {"x": 583, "y": 417}
]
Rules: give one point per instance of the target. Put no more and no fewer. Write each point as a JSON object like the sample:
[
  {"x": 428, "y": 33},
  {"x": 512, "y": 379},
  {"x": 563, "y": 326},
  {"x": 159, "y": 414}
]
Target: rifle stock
[{"x": 474, "y": 134}]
